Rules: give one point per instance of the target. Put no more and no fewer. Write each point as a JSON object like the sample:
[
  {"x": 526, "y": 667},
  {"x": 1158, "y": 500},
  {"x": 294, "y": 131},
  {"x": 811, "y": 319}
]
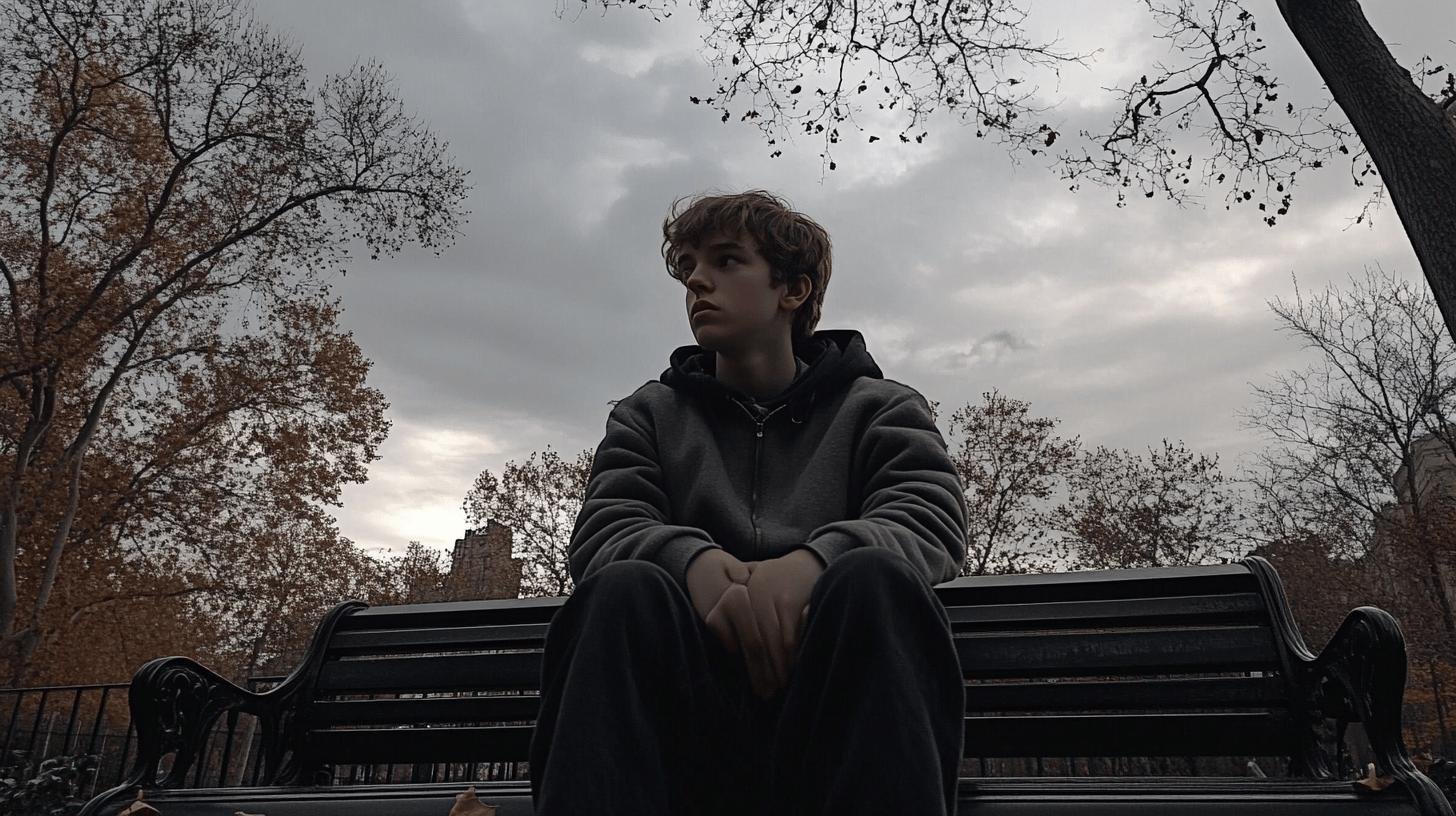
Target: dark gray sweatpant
[{"x": 644, "y": 713}]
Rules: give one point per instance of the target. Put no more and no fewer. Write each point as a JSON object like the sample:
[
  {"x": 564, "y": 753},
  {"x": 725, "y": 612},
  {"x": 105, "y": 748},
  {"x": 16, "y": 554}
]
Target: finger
[
  {"x": 735, "y": 571},
  {"x": 721, "y": 627},
  {"x": 799, "y": 630},
  {"x": 792, "y": 627},
  {"x": 740, "y": 614},
  {"x": 771, "y": 626}
]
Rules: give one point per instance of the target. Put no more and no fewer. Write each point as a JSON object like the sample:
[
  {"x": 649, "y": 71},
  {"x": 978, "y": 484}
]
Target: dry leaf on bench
[
  {"x": 1373, "y": 783},
  {"x": 467, "y": 805},
  {"x": 139, "y": 808}
]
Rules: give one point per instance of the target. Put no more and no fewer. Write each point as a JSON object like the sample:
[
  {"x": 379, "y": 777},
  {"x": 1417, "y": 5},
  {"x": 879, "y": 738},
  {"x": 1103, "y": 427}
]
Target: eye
[{"x": 727, "y": 258}]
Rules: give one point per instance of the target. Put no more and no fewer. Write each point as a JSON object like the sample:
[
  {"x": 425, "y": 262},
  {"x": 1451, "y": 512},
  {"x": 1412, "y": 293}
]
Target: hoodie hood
[{"x": 835, "y": 357}]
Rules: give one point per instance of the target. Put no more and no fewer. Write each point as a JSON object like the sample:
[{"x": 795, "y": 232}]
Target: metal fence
[
  {"x": 43, "y": 722},
  {"x": 53, "y": 721}
]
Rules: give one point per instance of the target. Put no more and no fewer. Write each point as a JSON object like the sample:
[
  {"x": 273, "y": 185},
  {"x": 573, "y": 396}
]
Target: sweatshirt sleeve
[
  {"x": 912, "y": 499},
  {"x": 625, "y": 512}
]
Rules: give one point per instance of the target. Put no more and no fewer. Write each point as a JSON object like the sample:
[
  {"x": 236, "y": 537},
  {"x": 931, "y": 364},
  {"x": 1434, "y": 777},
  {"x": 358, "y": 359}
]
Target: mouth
[{"x": 699, "y": 308}]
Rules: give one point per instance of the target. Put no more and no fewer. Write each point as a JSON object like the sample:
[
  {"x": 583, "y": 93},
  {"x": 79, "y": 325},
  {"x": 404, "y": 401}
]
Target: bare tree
[
  {"x": 1341, "y": 429},
  {"x": 1174, "y": 508},
  {"x": 805, "y": 67},
  {"x": 1009, "y": 463}
]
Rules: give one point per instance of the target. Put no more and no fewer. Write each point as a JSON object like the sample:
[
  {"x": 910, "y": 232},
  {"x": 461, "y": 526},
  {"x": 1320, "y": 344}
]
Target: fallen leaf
[
  {"x": 139, "y": 808},
  {"x": 467, "y": 805},
  {"x": 1374, "y": 783}
]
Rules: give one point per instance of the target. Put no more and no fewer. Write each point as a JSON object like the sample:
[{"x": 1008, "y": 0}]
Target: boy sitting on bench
[{"x": 753, "y": 628}]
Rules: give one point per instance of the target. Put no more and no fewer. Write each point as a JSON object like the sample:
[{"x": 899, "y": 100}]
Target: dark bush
[{"x": 49, "y": 790}]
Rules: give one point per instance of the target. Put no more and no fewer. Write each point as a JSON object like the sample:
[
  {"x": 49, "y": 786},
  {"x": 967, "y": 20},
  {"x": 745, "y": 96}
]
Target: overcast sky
[{"x": 964, "y": 272}]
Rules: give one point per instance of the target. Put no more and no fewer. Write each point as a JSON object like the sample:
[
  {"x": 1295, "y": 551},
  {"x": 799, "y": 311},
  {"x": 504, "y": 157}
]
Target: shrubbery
[{"x": 49, "y": 790}]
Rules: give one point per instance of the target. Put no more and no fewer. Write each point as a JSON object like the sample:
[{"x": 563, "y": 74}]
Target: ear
[{"x": 796, "y": 293}]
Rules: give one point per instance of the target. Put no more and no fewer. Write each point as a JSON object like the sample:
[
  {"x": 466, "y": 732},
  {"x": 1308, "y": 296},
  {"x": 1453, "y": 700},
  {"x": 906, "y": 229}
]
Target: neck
[{"x": 759, "y": 372}]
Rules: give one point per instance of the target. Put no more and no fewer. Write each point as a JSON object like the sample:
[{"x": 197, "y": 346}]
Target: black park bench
[{"x": 1172, "y": 664}]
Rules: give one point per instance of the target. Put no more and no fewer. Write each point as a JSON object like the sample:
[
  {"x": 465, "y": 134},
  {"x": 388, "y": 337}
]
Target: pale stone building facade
[
  {"x": 481, "y": 567},
  {"x": 1434, "y": 482}
]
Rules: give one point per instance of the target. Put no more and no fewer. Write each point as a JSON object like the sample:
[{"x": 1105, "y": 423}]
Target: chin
[{"x": 708, "y": 339}]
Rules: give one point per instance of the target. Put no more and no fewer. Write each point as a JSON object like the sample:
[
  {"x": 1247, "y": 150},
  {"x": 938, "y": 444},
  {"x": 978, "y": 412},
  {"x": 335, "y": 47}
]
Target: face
[{"x": 730, "y": 276}]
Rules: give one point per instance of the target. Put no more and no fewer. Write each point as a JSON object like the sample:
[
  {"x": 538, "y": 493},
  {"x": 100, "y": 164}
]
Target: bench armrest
[
  {"x": 175, "y": 701},
  {"x": 1358, "y": 677}
]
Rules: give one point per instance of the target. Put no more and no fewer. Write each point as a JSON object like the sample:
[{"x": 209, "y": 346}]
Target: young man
[{"x": 753, "y": 628}]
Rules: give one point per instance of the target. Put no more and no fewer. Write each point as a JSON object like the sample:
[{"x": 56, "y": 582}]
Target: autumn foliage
[{"x": 178, "y": 403}]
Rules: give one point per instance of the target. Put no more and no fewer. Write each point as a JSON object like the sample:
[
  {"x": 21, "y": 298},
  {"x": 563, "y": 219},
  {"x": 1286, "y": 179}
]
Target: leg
[
  {"x": 872, "y": 717},
  {"x": 633, "y": 718}
]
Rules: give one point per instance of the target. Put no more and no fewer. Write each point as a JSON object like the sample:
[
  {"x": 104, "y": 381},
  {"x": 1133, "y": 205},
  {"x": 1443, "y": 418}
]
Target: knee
[
  {"x": 881, "y": 591},
  {"x": 625, "y": 584},
  {"x": 871, "y": 567}
]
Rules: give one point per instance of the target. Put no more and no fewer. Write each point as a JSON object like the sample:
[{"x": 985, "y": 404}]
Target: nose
[{"x": 697, "y": 282}]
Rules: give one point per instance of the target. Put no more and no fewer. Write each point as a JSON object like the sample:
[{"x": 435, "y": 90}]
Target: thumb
[{"x": 738, "y": 572}]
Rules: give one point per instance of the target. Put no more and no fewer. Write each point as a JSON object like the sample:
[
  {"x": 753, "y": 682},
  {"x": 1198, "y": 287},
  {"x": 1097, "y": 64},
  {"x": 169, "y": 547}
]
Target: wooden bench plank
[
  {"x": 384, "y": 641},
  {"x": 1211, "y": 734},
  {"x": 1165, "y": 693},
  {"x": 1204, "y": 610},
  {"x": 1234, "y": 648},
  {"x": 1009, "y": 796},
  {"x": 1246, "y": 608},
  {"x": 1090, "y": 585},
  {"x": 1145, "y": 695},
  {"x": 1227, "y": 649},
  {"x": 1220, "y": 734}
]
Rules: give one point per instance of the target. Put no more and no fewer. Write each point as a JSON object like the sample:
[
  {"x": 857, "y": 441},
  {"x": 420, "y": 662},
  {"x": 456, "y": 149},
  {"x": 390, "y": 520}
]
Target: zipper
[{"x": 753, "y": 483}]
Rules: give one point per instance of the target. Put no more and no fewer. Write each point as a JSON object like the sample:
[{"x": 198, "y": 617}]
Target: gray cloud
[{"x": 964, "y": 271}]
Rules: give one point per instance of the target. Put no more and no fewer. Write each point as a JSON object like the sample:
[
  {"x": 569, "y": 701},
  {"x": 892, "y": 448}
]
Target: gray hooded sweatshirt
[{"x": 842, "y": 458}]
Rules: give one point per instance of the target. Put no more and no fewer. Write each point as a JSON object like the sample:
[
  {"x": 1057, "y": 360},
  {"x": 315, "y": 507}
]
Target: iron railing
[
  {"x": 42, "y": 722},
  {"x": 53, "y": 721}
]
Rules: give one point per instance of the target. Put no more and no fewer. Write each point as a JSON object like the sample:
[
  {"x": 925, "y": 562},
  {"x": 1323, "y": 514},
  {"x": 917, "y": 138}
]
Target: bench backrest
[{"x": 1143, "y": 662}]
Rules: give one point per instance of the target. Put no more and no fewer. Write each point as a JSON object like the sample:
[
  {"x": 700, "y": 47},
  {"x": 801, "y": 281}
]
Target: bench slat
[
  {"x": 1129, "y": 695},
  {"x": 468, "y": 672},
  {"x": 1223, "y": 649},
  {"x": 1091, "y": 585},
  {"x": 499, "y": 743},
  {"x": 381, "y": 641},
  {"x": 1245, "y": 608},
  {"x": 444, "y": 710},
  {"x": 980, "y": 590},
  {"x": 1205, "y": 610},
  {"x": 1215, "y": 734},
  {"x": 1145, "y": 695},
  {"x": 1243, "y": 734}
]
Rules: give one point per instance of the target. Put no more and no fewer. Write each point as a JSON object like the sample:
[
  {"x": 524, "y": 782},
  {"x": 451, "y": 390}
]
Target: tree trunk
[
  {"x": 1444, "y": 738},
  {"x": 1410, "y": 138}
]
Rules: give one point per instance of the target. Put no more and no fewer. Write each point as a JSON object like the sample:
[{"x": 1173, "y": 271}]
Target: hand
[
  {"x": 709, "y": 577},
  {"x": 718, "y": 587},
  {"x": 778, "y": 592}
]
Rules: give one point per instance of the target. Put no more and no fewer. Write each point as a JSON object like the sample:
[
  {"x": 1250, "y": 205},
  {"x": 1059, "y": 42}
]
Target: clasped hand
[{"x": 756, "y": 608}]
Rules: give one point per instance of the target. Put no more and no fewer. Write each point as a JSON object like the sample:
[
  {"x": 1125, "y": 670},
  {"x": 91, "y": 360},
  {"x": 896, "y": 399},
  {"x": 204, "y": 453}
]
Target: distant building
[
  {"x": 1435, "y": 470},
  {"x": 481, "y": 567},
  {"x": 1434, "y": 483}
]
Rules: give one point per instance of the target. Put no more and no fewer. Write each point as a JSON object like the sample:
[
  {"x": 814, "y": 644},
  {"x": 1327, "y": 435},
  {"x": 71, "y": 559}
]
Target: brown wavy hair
[{"x": 793, "y": 243}]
